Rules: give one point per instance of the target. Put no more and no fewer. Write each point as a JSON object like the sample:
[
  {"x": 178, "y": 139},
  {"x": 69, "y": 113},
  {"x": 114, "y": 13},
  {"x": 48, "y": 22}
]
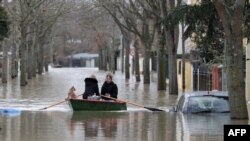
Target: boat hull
[{"x": 96, "y": 105}]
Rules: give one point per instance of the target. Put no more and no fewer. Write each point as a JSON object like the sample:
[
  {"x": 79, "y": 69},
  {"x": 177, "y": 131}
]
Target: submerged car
[{"x": 203, "y": 102}]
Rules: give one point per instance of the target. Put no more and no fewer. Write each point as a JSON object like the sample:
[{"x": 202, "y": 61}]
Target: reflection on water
[
  {"x": 113, "y": 126},
  {"x": 97, "y": 123},
  {"x": 58, "y": 123}
]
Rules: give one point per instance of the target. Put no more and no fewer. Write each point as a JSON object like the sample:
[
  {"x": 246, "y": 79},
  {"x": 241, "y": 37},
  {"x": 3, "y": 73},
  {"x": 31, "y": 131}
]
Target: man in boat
[
  {"x": 91, "y": 88},
  {"x": 109, "y": 88}
]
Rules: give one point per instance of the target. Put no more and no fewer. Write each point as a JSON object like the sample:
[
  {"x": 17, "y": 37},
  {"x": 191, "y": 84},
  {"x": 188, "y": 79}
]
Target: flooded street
[{"x": 135, "y": 124}]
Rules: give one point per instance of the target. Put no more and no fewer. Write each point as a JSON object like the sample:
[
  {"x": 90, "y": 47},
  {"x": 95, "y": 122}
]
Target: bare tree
[
  {"x": 26, "y": 15},
  {"x": 110, "y": 7},
  {"x": 130, "y": 17},
  {"x": 93, "y": 27}
]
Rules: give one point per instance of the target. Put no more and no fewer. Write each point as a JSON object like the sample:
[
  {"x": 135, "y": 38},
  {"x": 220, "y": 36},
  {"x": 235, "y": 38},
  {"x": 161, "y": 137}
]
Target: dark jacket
[
  {"x": 91, "y": 87},
  {"x": 110, "y": 88}
]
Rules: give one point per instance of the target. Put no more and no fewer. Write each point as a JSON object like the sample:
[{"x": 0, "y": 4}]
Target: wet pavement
[{"x": 29, "y": 123}]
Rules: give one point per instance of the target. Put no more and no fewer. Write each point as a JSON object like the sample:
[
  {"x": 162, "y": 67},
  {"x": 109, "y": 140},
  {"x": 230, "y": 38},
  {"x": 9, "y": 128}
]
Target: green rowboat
[{"x": 96, "y": 105}]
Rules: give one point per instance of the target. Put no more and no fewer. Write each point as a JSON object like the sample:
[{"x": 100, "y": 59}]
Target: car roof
[{"x": 203, "y": 93}]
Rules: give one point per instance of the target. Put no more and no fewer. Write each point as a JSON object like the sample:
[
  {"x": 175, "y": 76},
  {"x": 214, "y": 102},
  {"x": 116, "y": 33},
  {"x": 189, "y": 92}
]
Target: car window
[{"x": 208, "y": 104}]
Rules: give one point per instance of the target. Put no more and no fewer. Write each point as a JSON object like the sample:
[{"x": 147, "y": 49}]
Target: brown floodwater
[{"x": 58, "y": 123}]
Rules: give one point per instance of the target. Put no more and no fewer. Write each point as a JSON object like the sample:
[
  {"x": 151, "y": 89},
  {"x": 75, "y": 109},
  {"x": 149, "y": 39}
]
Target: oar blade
[
  {"x": 43, "y": 108},
  {"x": 154, "y": 109}
]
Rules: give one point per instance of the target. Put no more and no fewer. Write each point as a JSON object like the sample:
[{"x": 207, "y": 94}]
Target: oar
[
  {"x": 132, "y": 103},
  {"x": 57, "y": 103}
]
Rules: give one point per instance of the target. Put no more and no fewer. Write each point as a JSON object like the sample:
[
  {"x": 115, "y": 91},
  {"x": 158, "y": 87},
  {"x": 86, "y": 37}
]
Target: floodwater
[{"x": 59, "y": 123}]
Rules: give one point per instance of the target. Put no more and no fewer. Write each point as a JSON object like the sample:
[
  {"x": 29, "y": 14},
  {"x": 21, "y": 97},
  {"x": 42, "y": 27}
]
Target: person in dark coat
[
  {"x": 109, "y": 88},
  {"x": 91, "y": 87}
]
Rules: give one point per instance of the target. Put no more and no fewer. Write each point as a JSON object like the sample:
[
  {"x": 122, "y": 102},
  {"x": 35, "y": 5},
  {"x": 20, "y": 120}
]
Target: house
[
  {"x": 190, "y": 59},
  {"x": 198, "y": 76}
]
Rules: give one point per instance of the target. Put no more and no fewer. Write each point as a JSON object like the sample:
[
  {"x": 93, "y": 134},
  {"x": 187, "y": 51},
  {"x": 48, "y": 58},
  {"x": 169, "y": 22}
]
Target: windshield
[{"x": 214, "y": 104}]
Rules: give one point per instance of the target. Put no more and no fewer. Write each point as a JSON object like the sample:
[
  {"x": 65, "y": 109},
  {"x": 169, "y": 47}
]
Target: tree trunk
[
  {"x": 172, "y": 39},
  {"x": 126, "y": 47},
  {"x": 5, "y": 61},
  {"x": 14, "y": 62},
  {"x": 108, "y": 55},
  {"x": 232, "y": 21},
  {"x": 30, "y": 56},
  {"x": 100, "y": 59},
  {"x": 41, "y": 57},
  {"x": 113, "y": 60},
  {"x": 146, "y": 40},
  {"x": 136, "y": 59},
  {"x": 111, "y": 55},
  {"x": 122, "y": 54},
  {"x": 47, "y": 58},
  {"x": 161, "y": 57},
  {"x": 46, "y": 64},
  {"x": 39, "y": 61},
  {"x": 172, "y": 60},
  {"x": 105, "y": 58},
  {"x": 23, "y": 61},
  {"x": 35, "y": 56},
  {"x": 30, "y": 63},
  {"x": 161, "y": 67},
  {"x": 224, "y": 69}
]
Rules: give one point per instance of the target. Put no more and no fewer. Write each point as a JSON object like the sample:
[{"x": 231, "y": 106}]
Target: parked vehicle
[{"x": 203, "y": 102}]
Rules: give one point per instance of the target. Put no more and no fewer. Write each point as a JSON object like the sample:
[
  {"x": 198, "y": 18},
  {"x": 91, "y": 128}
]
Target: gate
[{"x": 201, "y": 78}]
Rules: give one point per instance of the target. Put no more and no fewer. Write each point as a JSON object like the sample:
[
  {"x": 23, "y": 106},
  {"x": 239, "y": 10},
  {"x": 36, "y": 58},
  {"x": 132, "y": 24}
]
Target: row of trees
[
  {"x": 30, "y": 27},
  {"x": 44, "y": 31},
  {"x": 218, "y": 27}
]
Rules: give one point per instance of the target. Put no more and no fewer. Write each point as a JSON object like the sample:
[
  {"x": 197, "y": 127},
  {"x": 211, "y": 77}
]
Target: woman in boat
[
  {"x": 91, "y": 87},
  {"x": 109, "y": 88}
]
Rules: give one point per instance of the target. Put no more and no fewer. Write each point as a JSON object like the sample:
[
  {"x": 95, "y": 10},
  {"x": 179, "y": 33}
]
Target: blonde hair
[
  {"x": 109, "y": 74},
  {"x": 93, "y": 76}
]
